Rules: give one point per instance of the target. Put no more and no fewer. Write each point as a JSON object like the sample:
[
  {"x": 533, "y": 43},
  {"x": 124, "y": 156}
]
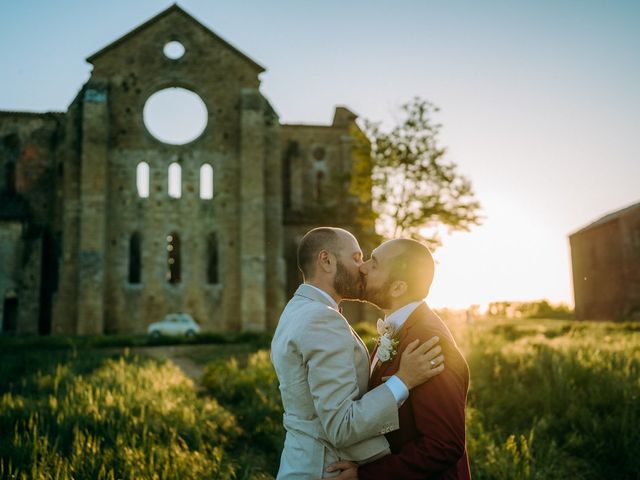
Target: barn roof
[{"x": 608, "y": 218}]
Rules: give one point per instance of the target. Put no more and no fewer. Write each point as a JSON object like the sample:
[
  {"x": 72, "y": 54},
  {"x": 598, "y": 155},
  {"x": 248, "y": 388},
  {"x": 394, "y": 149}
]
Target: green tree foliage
[
  {"x": 415, "y": 191},
  {"x": 361, "y": 186}
]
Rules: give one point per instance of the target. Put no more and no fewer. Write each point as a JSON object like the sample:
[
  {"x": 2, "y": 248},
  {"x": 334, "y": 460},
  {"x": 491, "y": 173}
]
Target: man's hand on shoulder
[
  {"x": 420, "y": 363},
  {"x": 349, "y": 470}
]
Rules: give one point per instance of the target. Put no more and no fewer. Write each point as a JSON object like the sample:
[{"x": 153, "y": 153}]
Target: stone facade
[
  {"x": 83, "y": 252},
  {"x": 606, "y": 267}
]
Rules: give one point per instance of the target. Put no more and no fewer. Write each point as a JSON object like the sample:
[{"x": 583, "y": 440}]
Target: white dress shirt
[
  {"x": 398, "y": 389},
  {"x": 397, "y": 319}
]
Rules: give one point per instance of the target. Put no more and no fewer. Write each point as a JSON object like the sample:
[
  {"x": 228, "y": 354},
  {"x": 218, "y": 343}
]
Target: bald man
[{"x": 430, "y": 443}]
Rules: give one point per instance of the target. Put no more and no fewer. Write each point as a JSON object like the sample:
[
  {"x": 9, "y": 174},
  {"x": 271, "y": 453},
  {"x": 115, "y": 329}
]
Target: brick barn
[{"x": 605, "y": 257}]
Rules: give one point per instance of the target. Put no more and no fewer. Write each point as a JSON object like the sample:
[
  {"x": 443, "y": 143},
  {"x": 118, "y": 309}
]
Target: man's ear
[
  {"x": 398, "y": 288},
  {"x": 325, "y": 262}
]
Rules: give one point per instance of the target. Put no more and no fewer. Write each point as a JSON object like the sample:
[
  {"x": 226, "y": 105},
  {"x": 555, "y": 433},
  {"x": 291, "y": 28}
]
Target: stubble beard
[
  {"x": 378, "y": 296},
  {"x": 348, "y": 286}
]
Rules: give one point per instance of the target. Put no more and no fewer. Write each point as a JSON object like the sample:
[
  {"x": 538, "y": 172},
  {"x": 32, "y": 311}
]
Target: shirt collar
[
  {"x": 397, "y": 318},
  {"x": 329, "y": 297}
]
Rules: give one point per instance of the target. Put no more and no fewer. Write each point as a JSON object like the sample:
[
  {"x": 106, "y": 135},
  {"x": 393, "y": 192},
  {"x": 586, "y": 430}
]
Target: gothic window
[
  {"x": 206, "y": 182},
  {"x": 212, "y": 259},
  {"x": 173, "y": 258},
  {"x": 293, "y": 177},
  {"x": 175, "y": 180},
  {"x": 10, "y": 177},
  {"x": 10, "y": 314},
  {"x": 319, "y": 185},
  {"x": 135, "y": 263},
  {"x": 142, "y": 179}
]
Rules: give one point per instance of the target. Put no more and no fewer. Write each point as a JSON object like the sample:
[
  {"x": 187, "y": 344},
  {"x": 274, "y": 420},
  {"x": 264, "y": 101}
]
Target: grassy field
[{"x": 549, "y": 400}]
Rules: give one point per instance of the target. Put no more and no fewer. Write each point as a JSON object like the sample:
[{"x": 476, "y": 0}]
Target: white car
[{"x": 174, "y": 324}]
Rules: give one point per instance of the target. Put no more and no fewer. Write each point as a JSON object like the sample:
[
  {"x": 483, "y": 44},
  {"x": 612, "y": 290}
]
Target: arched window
[
  {"x": 10, "y": 177},
  {"x": 142, "y": 179},
  {"x": 135, "y": 263},
  {"x": 10, "y": 314},
  {"x": 206, "y": 182},
  {"x": 212, "y": 259},
  {"x": 293, "y": 177},
  {"x": 175, "y": 180},
  {"x": 173, "y": 258},
  {"x": 319, "y": 184}
]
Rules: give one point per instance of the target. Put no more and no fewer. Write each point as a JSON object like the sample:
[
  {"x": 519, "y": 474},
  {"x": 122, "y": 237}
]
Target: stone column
[
  {"x": 274, "y": 223},
  {"x": 93, "y": 199},
  {"x": 252, "y": 212},
  {"x": 65, "y": 301}
]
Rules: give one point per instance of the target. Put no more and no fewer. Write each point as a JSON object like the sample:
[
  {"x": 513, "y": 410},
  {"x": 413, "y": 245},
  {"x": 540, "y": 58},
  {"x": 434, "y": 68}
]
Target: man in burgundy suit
[{"x": 430, "y": 443}]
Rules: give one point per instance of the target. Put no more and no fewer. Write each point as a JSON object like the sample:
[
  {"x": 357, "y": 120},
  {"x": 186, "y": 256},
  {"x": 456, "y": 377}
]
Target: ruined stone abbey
[{"x": 96, "y": 238}]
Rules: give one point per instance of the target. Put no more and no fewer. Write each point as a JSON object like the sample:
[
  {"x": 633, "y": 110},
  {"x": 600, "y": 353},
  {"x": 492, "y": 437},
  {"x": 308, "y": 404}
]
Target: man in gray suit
[{"x": 323, "y": 366}]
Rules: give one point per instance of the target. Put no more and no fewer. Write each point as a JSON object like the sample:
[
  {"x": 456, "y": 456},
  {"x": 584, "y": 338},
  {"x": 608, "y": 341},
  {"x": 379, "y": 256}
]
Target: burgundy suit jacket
[{"x": 430, "y": 443}]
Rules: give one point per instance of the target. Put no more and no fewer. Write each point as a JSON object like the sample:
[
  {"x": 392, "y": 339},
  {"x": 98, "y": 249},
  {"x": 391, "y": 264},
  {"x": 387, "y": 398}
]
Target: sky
[{"x": 539, "y": 102}]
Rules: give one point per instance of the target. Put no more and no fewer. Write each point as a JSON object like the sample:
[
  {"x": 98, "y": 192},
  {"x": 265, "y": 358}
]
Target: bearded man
[
  {"x": 430, "y": 443},
  {"x": 323, "y": 366}
]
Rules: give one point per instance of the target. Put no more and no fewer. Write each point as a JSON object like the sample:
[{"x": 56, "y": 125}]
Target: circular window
[
  {"x": 173, "y": 50},
  {"x": 175, "y": 115}
]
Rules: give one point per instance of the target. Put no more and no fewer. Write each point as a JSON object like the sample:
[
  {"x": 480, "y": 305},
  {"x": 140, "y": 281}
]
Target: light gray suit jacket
[{"x": 323, "y": 370}]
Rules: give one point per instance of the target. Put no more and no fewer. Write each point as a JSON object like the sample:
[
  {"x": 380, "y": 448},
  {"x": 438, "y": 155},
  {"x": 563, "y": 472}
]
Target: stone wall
[
  {"x": 240, "y": 139},
  {"x": 29, "y": 213},
  {"x": 76, "y": 178}
]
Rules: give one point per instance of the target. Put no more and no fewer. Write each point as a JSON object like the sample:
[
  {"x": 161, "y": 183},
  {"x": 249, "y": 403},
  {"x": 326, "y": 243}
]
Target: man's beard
[
  {"x": 379, "y": 296},
  {"x": 346, "y": 285}
]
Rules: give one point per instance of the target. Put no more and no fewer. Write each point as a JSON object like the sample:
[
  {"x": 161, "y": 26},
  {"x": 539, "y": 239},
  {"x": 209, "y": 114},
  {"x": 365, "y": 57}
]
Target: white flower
[
  {"x": 384, "y": 327},
  {"x": 386, "y": 343},
  {"x": 384, "y": 355}
]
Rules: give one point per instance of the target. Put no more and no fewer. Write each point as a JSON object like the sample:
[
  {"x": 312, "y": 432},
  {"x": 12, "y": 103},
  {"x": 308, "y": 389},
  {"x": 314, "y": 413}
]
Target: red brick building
[{"x": 606, "y": 267}]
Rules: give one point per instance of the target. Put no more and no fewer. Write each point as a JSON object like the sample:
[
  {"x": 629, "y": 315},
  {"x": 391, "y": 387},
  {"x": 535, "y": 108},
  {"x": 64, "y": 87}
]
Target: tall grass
[
  {"x": 126, "y": 418},
  {"x": 548, "y": 400},
  {"x": 554, "y": 400},
  {"x": 251, "y": 391}
]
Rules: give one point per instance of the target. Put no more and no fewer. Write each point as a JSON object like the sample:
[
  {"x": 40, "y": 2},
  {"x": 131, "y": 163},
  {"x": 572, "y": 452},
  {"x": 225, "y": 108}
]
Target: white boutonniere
[{"x": 386, "y": 342}]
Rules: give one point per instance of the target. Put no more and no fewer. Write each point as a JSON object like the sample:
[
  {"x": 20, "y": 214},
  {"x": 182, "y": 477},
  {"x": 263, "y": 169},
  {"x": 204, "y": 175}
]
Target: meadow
[{"x": 549, "y": 399}]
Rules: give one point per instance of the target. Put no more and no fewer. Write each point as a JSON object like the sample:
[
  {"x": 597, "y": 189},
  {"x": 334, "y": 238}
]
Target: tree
[{"x": 415, "y": 191}]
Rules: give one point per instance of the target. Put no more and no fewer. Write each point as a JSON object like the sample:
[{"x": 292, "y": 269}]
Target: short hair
[
  {"x": 321, "y": 238},
  {"x": 415, "y": 266}
]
